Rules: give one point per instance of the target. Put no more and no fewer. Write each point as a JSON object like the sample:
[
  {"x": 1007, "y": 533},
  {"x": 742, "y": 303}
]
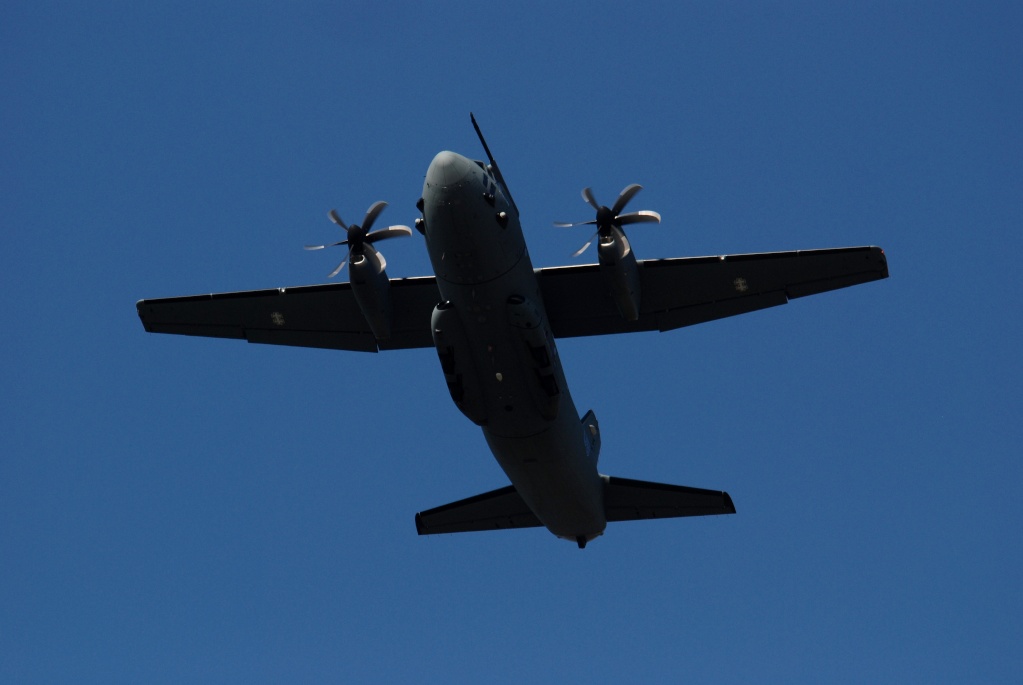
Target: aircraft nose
[{"x": 447, "y": 169}]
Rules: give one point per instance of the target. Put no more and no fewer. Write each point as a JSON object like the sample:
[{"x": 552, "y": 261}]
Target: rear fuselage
[{"x": 497, "y": 351}]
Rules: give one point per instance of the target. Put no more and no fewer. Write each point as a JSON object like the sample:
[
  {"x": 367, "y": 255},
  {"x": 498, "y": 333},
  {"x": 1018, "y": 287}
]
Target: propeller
[
  {"x": 359, "y": 236},
  {"x": 611, "y": 218}
]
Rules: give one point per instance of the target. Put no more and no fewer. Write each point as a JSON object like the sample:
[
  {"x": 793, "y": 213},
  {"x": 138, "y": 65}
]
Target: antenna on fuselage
[{"x": 493, "y": 163}]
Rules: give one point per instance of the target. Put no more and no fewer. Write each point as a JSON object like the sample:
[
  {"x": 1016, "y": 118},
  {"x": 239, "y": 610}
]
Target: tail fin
[{"x": 631, "y": 500}]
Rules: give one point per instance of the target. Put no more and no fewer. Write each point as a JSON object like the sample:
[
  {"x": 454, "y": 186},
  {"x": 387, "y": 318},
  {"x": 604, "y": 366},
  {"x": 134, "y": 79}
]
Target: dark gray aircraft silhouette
[{"x": 494, "y": 319}]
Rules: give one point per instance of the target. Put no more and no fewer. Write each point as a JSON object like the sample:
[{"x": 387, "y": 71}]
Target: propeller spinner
[
  {"x": 609, "y": 218},
  {"x": 359, "y": 236}
]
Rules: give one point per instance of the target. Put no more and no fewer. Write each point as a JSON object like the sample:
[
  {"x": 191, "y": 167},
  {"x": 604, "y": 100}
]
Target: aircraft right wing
[{"x": 686, "y": 291}]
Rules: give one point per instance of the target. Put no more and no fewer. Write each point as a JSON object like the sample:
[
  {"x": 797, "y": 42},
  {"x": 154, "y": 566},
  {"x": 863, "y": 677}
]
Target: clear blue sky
[{"x": 187, "y": 510}]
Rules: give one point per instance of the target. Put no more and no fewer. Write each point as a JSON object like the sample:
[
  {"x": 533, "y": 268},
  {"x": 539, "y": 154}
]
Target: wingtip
[{"x": 884, "y": 261}]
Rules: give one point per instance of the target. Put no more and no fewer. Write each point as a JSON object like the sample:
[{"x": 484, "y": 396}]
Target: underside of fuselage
[{"x": 497, "y": 350}]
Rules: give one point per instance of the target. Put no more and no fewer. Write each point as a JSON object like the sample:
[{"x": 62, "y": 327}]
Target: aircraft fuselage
[{"x": 498, "y": 353}]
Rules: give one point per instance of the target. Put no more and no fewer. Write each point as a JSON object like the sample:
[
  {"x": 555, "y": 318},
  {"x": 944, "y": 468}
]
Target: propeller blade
[
  {"x": 371, "y": 215},
  {"x": 565, "y": 224},
  {"x": 379, "y": 255},
  {"x": 645, "y": 216},
  {"x": 336, "y": 218},
  {"x": 588, "y": 243},
  {"x": 627, "y": 194},
  {"x": 340, "y": 266},
  {"x": 588, "y": 196},
  {"x": 320, "y": 247},
  {"x": 389, "y": 232}
]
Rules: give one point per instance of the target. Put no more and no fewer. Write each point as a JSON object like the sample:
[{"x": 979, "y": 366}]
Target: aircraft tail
[{"x": 624, "y": 500}]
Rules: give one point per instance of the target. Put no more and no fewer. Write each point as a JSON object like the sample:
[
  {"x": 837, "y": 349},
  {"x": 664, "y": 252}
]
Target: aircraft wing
[
  {"x": 324, "y": 316},
  {"x": 686, "y": 291}
]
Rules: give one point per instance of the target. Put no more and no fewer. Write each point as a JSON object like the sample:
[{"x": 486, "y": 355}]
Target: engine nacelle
[
  {"x": 621, "y": 273},
  {"x": 372, "y": 290},
  {"x": 537, "y": 354},
  {"x": 456, "y": 361}
]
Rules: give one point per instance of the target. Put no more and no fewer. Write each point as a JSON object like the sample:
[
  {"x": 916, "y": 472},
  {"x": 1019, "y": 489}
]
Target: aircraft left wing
[
  {"x": 691, "y": 290},
  {"x": 325, "y": 316}
]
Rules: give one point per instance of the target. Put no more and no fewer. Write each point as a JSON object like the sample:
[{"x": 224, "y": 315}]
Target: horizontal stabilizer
[
  {"x": 495, "y": 510},
  {"x": 631, "y": 500},
  {"x": 624, "y": 500}
]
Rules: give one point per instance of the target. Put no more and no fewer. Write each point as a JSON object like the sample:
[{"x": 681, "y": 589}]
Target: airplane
[{"x": 494, "y": 320}]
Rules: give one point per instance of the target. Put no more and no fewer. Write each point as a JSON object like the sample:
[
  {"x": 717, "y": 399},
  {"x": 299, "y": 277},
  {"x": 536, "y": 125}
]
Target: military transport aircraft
[{"x": 493, "y": 319}]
